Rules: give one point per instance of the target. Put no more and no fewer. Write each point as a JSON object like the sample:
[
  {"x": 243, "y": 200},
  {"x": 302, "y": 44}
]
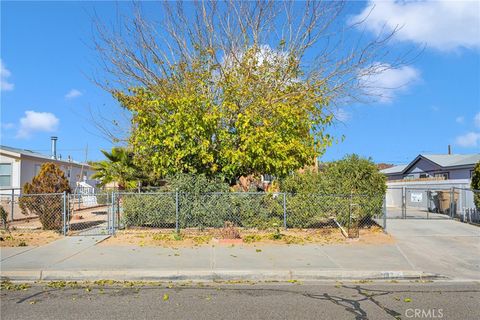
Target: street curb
[{"x": 210, "y": 275}]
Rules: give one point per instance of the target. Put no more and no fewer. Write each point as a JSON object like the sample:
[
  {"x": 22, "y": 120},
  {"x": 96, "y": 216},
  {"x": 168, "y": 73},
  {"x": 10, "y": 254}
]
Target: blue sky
[{"x": 46, "y": 61}]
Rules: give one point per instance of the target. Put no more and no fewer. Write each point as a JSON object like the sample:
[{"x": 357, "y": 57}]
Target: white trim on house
[
  {"x": 25, "y": 165},
  {"x": 452, "y": 166}
]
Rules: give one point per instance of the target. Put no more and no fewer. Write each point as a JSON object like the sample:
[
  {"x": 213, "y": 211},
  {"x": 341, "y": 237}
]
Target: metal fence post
[
  {"x": 64, "y": 213},
  {"x": 13, "y": 203},
  {"x": 350, "y": 215},
  {"x": 452, "y": 202},
  {"x": 115, "y": 207},
  {"x": 112, "y": 214},
  {"x": 285, "y": 210},
  {"x": 385, "y": 213},
  {"x": 176, "y": 211},
  {"x": 404, "y": 203}
]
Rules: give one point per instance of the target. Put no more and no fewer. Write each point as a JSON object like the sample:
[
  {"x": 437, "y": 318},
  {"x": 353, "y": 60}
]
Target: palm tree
[{"x": 118, "y": 167}]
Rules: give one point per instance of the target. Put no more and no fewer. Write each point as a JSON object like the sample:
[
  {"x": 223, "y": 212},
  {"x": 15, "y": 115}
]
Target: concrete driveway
[{"x": 447, "y": 246}]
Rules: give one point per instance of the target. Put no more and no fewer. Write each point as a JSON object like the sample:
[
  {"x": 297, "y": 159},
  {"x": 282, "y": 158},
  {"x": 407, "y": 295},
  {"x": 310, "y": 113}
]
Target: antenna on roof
[{"x": 449, "y": 149}]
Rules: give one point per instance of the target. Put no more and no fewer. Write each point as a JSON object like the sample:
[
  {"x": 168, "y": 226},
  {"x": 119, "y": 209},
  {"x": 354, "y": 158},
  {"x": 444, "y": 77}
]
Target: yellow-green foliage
[{"x": 256, "y": 115}]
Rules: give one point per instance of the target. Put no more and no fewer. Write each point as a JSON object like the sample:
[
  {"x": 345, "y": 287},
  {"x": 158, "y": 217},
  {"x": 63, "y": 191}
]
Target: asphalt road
[{"x": 352, "y": 300}]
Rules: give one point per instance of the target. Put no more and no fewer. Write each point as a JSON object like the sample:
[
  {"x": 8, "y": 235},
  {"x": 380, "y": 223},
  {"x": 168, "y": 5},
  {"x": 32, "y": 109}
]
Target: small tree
[
  {"x": 118, "y": 168},
  {"x": 475, "y": 184},
  {"x": 37, "y": 200}
]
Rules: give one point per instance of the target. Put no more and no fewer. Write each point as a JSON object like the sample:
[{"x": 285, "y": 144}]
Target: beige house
[{"x": 18, "y": 166}]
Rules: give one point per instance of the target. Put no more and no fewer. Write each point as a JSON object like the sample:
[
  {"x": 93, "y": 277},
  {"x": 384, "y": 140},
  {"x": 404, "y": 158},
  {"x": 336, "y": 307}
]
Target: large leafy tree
[
  {"x": 257, "y": 116},
  {"x": 236, "y": 87},
  {"x": 118, "y": 168}
]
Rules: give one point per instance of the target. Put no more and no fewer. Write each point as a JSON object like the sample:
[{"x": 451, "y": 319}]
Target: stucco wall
[{"x": 76, "y": 173}]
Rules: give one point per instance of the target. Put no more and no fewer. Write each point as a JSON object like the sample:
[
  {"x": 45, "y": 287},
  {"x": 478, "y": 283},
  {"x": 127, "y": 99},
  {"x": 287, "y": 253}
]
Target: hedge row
[{"x": 248, "y": 210}]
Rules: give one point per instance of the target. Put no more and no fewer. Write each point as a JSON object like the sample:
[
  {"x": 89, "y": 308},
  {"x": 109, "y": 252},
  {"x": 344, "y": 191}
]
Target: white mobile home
[{"x": 19, "y": 166}]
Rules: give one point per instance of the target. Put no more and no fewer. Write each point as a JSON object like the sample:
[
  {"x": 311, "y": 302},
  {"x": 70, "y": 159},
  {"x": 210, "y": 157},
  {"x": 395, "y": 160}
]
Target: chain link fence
[
  {"x": 433, "y": 202},
  {"x": 103, "y": 213},
  {"x": 34, "y": 211},
  {"x": 249, "y": 210},
  {"x": 467, "y": 207}
]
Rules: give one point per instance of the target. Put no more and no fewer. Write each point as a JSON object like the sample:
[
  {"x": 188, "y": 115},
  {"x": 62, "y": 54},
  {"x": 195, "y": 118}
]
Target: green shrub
[
  {"x": 352, "y": 187},
  {"x": 195, "y": 184},
  {"x": 148, "y": 210},
  {"x": 314, "y": 210},
  {"x": 259, "y": 210}
]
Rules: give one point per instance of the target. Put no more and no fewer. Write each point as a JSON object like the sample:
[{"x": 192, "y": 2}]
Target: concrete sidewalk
[
  {"x": 415, "y": 255},
  {"x": 210, "y": 263}
]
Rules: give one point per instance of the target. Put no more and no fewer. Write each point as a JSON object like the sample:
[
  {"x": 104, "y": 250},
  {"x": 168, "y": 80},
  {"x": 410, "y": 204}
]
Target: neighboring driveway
[{"x": 446, "y": 246}]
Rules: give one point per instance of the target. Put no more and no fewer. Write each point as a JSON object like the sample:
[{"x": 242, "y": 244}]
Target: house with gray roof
[
  {"x": 18, "y": 166},
  {"x": 441, "y": 166}
]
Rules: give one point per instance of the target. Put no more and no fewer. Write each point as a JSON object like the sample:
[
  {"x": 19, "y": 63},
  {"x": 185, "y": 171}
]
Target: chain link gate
[
  {"x": 433, "y": 202},
  {"x": 89, "y": 215}
]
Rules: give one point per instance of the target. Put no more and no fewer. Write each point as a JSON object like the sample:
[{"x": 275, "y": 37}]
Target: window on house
[
  {"x": 37, "y": 169},
  {"x": 443, "y": 174},
  {"x": 423, "y": 175},
  {"x": 5, "y": 174}
]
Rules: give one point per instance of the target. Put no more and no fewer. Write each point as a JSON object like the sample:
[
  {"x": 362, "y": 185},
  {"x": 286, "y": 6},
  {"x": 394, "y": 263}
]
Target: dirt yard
[
  {"x": 191, "y": 238},
  {"x": 19, "y": 238},
  {"x": 80, "y": 219}
]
